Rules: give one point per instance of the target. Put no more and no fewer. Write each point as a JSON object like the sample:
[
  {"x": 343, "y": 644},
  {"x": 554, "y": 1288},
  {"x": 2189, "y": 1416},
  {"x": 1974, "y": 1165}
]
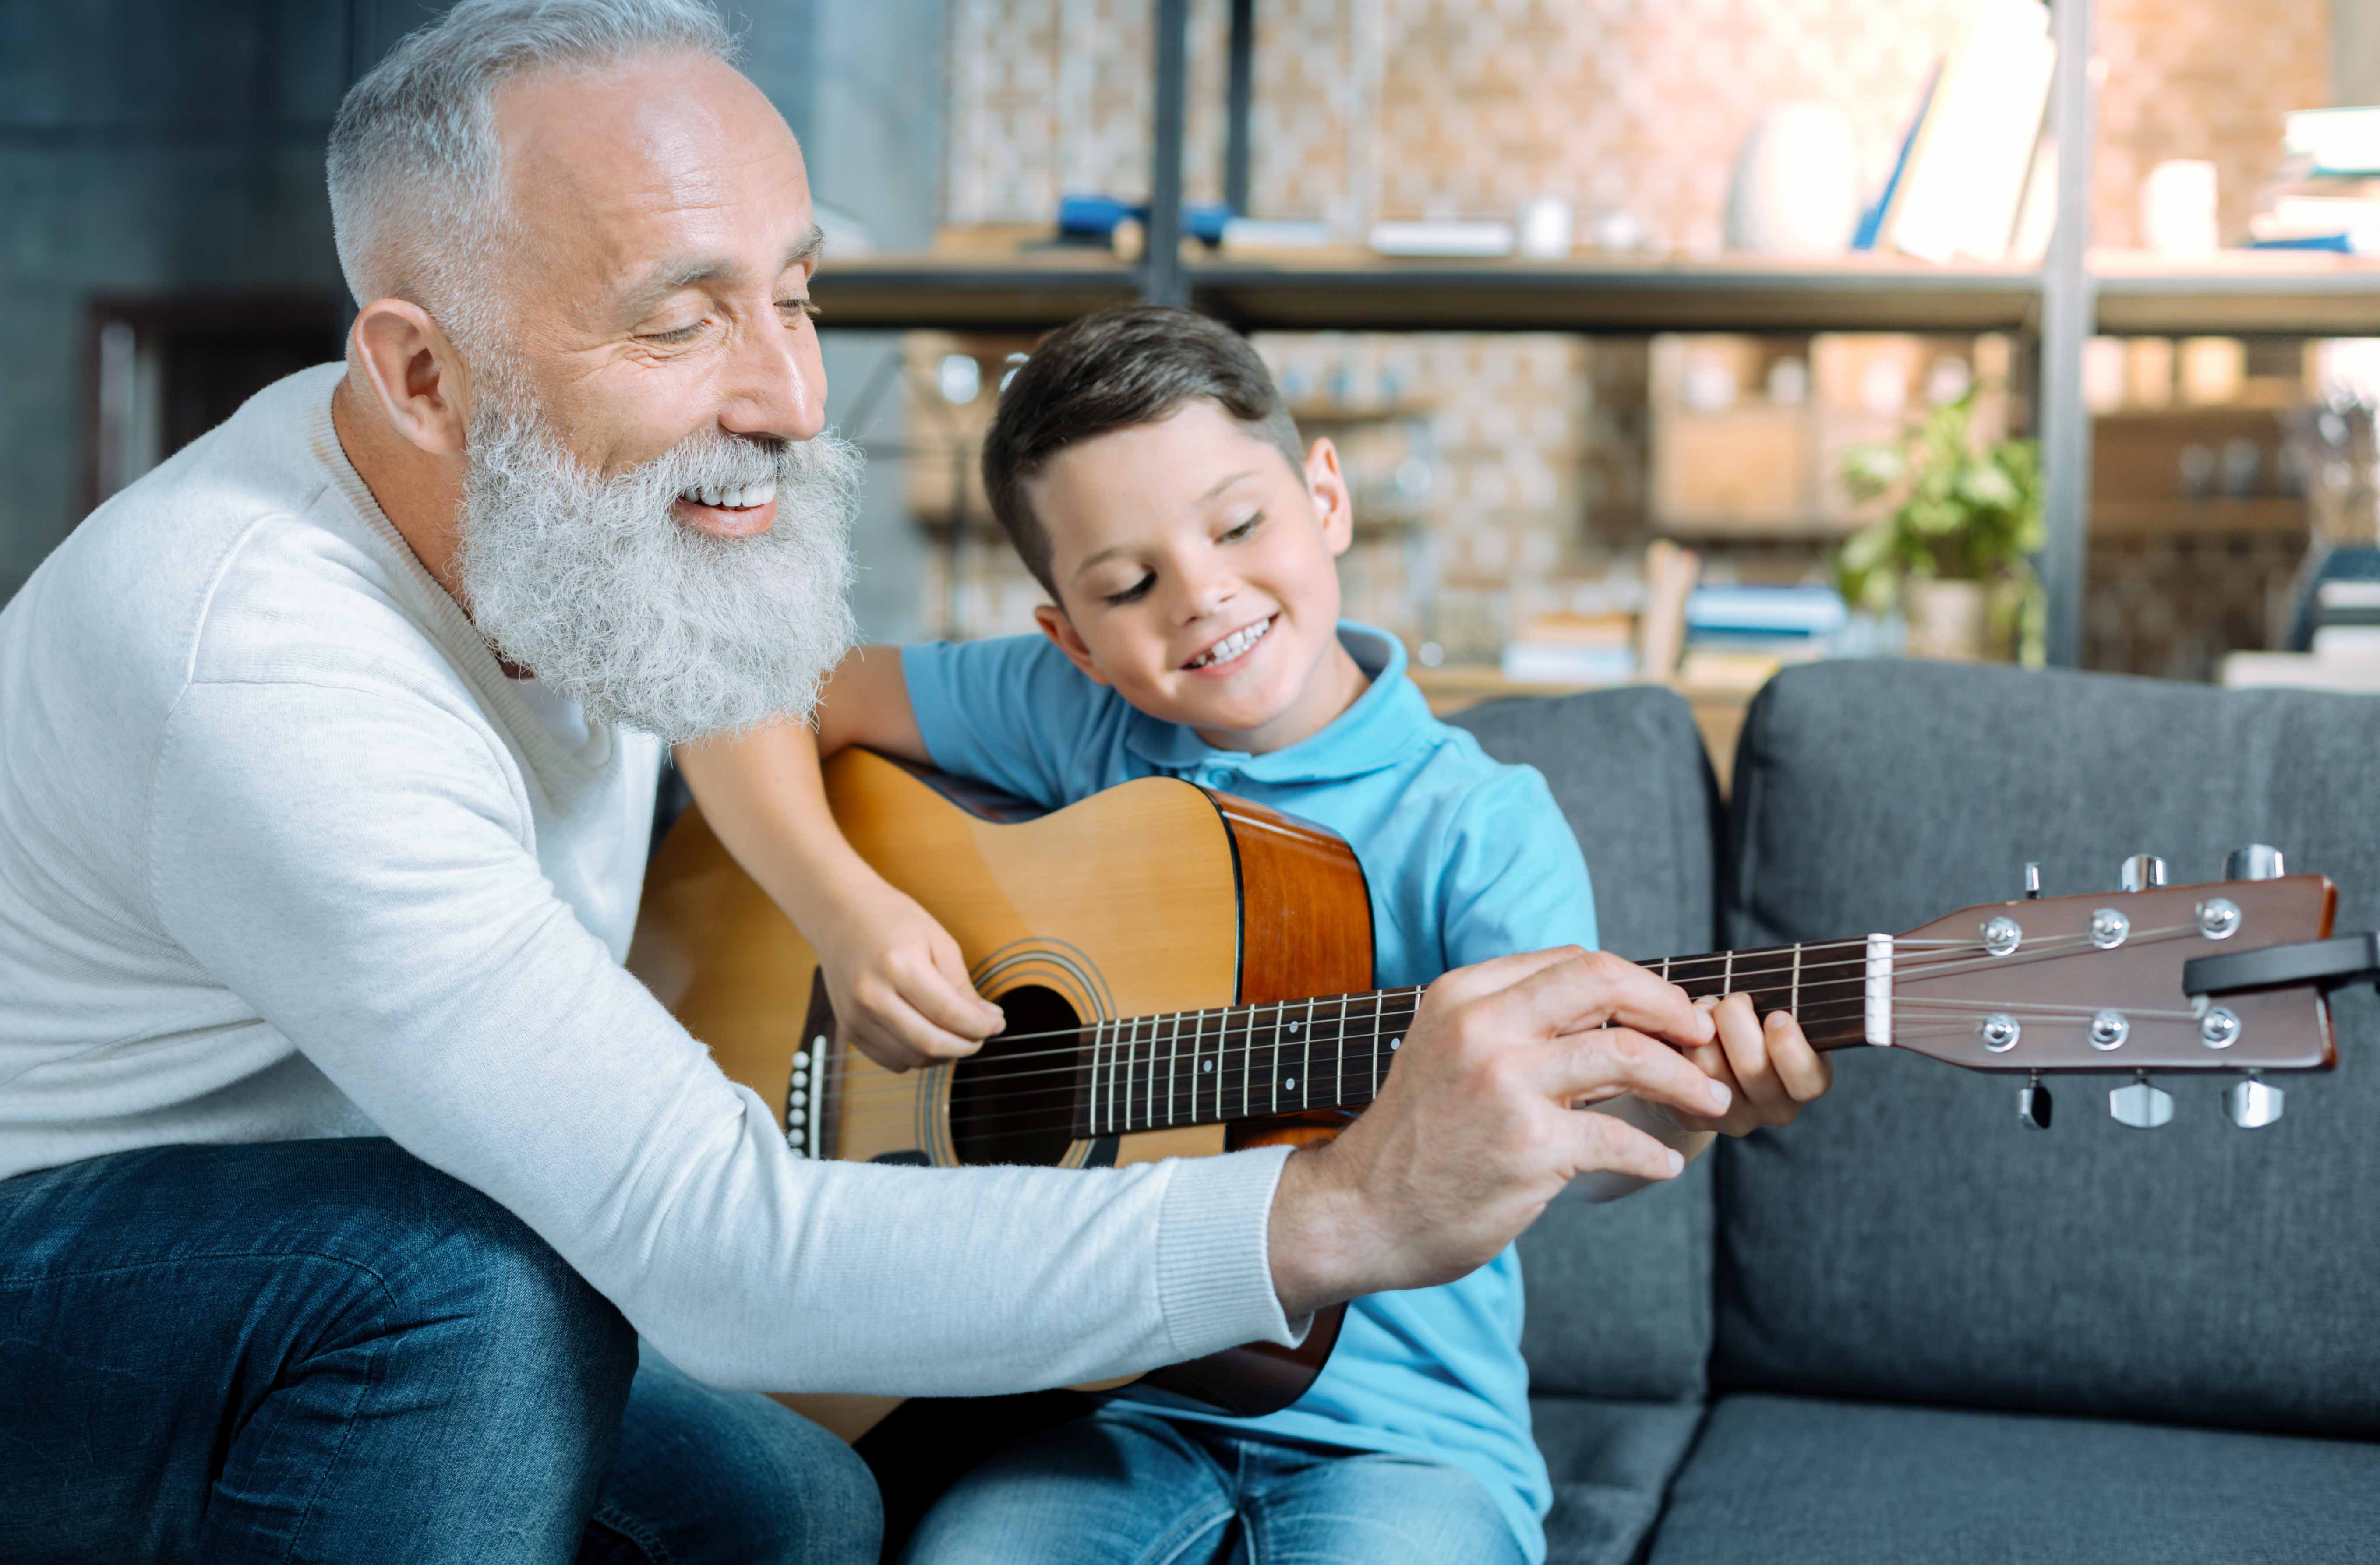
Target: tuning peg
[
  {"x": 2032, "y": 881},
  {"x": 2032, "y": 1102},
  {"x": 2258, "y": 861},
  {"x": 2139, "y": 1105},
  {"x": 2140, "y": 872},
  {"x": 2250, "y": 1104}
]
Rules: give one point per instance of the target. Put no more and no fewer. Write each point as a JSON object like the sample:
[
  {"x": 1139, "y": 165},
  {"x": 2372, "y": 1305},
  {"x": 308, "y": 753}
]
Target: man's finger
[
  {"x": 1607, "y": 1144},
  {"x": 1585, "y": 1063},
  {"x": 1498, "y": 973},
  {"x": 1806, "y": 1072},
  {"x": 1592, "y": 990}
]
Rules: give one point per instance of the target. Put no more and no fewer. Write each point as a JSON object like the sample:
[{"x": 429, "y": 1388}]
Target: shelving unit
[{"x": 2074, "y": 295}]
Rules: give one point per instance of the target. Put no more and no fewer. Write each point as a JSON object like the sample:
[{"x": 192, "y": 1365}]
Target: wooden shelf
[
  {"x": 1352, "y": 290},
  {"x": 2216, "y": 515},
  {"x": 2233, "y": 294},
  {"x": 2238, "y": 293},
  {"x": 1026, "y": 291}
]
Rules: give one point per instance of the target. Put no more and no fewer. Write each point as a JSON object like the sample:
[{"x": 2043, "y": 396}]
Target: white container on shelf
[{"x": 1795, "y": 191}]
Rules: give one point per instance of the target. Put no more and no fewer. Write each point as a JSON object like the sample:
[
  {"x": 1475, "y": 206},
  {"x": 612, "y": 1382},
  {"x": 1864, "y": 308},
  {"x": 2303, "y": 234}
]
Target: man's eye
[
  {"x": 677, "y": 335},
  {"x": 1137, "y": 590},
  {"x": 802, "y": 306},
  {"x": 1244, "y": 528}
]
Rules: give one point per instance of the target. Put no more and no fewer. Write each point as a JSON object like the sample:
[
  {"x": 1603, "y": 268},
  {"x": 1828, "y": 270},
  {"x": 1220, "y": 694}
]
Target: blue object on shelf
[
  {"x": 2344, "y": 244},
  {"x": 2310, "y": 614},
  {"x": 1871, "y": 223},
  {"x": 1095, "y": 218}
]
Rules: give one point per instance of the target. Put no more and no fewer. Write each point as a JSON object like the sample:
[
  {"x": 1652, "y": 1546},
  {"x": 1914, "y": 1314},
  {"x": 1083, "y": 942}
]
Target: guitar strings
[
  {"x": 1125, "y": 1051},
  {"x": 1110, "y": 1039}
]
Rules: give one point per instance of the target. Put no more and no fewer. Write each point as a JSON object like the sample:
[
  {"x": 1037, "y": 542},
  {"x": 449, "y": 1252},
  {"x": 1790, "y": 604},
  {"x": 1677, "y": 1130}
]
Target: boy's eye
[
  {"x": 1137, "y": 590},
  {"x": 1244, "y": 528}
]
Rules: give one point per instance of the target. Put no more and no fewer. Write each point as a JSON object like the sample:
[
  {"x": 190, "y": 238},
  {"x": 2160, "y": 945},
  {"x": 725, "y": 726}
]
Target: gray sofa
[{"x": 1907, "y": 1328}]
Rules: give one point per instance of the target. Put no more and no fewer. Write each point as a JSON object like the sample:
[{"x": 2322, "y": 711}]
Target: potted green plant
[{"x": 1954, "y": 551}]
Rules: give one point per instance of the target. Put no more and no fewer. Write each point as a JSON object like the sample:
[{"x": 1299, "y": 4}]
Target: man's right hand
[{"x": 1476, "y": 1131}]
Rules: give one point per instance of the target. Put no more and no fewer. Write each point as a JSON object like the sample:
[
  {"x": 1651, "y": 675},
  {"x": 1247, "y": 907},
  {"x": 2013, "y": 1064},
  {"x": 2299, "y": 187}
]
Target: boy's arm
[{"x": 897, "y": 977}]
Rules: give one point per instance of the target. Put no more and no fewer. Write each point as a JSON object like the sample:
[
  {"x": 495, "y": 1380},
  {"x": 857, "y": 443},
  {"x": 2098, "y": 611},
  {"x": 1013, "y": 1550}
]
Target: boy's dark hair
[{"x": 1113, "y": 371}]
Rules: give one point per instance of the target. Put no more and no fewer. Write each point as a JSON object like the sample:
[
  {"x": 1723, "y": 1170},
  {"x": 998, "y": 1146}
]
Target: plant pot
[{"x": 1950, "y": 620}]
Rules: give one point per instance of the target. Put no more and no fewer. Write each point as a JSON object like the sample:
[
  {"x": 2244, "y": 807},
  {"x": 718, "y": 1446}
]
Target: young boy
[{"x": 1144, "y": 466}]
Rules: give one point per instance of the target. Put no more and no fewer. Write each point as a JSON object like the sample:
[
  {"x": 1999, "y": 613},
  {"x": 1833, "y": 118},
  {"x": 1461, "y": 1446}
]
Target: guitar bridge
[{"x": 806, "y": 1082}]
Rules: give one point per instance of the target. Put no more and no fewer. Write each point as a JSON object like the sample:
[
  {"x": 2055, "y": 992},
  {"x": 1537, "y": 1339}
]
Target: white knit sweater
[{"x": 283, "y": 855}]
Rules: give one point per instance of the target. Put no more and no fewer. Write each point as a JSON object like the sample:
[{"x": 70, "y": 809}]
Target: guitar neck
[{"x": 1287, "y": 1057}]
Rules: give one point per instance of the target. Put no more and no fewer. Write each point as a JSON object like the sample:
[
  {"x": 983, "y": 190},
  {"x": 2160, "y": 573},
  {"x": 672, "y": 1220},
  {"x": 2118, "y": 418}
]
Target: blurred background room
[{"x": 1662, "y": 341}]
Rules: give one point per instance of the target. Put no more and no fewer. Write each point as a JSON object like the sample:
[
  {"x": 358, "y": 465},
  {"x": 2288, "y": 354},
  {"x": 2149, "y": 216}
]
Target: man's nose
[{"x": 776, "y": 383}]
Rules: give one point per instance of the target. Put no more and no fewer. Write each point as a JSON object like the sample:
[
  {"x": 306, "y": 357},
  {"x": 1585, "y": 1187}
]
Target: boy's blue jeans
[
  {"x": 1131, "y": 1488},
  {"x": 327, "y": 1350}
]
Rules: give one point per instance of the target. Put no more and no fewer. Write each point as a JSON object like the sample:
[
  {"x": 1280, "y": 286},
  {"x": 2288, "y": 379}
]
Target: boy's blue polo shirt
[{"x": 1467, "y": 858}]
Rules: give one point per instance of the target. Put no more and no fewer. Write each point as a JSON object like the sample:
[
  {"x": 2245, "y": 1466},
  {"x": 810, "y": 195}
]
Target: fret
[
  {"x": 1793, "y": 1003},
  {"x": 1092, "y": 1102},
  {"x": 1665, "y": 969},
  {"x": 1174, "y": 1072},
  {"x": 1377, "y": 1006},
  {"x": 1727, "y": 975},
  {"x": 1339, "y": 1072},
  {"x": 1200, "y": 1066}
]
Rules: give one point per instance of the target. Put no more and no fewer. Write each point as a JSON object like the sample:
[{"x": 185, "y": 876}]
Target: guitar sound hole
[{"x": 1013, "y": 1101}]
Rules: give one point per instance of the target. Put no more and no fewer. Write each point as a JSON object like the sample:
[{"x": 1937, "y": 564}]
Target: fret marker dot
[
  {"x": 1290, "y": 1085},
  {"x": 1392, "y": 1044},
  {"x": 1207, "y": 1066}
]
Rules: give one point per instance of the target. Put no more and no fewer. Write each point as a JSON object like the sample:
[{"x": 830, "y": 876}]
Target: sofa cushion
[
  {"x": 1612, "y": 1463},
  {"x": 1907, "y": 1239},
  {"x": 1619, "y": 1296},
  {"x": 1785, "y": 1481}
]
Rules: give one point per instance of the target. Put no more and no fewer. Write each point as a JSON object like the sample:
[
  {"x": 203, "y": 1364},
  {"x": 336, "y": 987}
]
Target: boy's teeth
[{"x": 1231, "y": 646}]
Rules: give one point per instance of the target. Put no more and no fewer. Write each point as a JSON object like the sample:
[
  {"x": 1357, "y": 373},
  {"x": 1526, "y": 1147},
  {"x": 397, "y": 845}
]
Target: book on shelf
[
  {"x": 1972, "y": 158},
  {"x": 1871, "y": 224},
  {"x": 2334, "y": 142},
  {"x": 1714, "y": 612}
]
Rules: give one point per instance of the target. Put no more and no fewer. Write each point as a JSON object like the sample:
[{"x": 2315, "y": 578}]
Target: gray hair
[{"x": 416, "y": 174}]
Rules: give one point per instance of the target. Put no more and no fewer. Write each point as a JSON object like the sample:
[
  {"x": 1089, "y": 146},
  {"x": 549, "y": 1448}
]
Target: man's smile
[{"x": 729, "y": 512}]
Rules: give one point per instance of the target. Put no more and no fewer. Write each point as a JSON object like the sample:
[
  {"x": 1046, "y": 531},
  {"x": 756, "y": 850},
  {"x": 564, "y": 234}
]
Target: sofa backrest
[
  {"x": 1908, "y": 1238},
  {"x": 1619, "y": 1296}
]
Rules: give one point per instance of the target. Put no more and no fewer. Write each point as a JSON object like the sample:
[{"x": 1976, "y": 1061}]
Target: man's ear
[
  {"x": 1060, "y": 630},
  {"x": 1327, "y": 486},
  {"x": 415, "y": 373}
]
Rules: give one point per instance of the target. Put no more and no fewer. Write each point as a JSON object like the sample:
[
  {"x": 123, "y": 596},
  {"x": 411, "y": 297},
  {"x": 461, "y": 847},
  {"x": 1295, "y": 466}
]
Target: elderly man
[{"x": 341, "y": 1163}]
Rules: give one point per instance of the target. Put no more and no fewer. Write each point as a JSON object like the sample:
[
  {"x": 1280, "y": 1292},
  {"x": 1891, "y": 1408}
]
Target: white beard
[{"x": 594, "y": 583}]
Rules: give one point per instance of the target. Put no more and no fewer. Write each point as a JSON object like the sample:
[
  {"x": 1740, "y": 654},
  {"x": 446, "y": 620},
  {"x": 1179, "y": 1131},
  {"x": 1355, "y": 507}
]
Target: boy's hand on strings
[
  {"x": 1765, "y": 1063},
  {"x": 898, "y": 983}
]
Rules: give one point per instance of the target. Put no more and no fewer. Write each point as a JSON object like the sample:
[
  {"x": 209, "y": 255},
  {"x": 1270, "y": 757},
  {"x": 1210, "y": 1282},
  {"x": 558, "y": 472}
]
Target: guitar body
[{"x": 1153, "y": 897}]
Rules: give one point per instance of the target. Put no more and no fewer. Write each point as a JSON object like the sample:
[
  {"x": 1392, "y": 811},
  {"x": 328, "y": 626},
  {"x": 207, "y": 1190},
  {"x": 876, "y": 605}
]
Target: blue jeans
[
  {"x": 1131, "y": 1488},
  {"x": 328, "y": 1351}
]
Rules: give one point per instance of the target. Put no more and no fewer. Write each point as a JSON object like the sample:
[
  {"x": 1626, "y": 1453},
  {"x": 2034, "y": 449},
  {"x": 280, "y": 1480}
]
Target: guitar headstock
[{"x": 2095, "y": 983}]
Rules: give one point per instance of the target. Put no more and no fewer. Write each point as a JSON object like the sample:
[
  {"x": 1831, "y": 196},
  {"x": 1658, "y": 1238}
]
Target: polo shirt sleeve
[
  {"x": 1013, "y": 712},
  {"x": 1514, "y": 878}
]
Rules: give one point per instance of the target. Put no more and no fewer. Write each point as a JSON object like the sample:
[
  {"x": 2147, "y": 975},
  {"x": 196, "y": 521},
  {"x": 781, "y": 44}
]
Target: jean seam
[
  {"x": 1177, "y": 1544},
  {"x": 388, "y": 1295},
  {"x": 646, "y": 1540}
]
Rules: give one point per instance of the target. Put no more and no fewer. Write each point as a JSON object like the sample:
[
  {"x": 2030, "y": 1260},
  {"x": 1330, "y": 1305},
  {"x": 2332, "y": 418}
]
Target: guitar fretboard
[{"x": 1286, "y": 1057}]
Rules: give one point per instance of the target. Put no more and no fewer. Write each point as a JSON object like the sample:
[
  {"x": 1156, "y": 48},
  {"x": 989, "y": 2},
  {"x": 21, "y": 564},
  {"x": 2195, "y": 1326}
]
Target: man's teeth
[
  {"x": 1231, "y": 646},
  {"x": 730, "y": 499}
]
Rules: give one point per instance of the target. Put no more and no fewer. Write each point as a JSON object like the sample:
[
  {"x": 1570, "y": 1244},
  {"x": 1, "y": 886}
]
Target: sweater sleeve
[{"x": 351, "y": 863}]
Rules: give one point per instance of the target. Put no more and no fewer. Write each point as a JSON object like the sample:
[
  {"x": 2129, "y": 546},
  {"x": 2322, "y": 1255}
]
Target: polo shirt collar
[{"x": 1386, "y": 721}]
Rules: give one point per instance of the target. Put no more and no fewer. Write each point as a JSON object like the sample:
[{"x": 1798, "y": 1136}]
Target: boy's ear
[
  {"x": 1328, "y": 488},
  {"x": 1060, "y": 630}
]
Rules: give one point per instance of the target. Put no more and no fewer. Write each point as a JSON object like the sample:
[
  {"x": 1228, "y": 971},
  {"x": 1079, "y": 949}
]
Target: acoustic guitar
[{"x": 1184, "y": 972}]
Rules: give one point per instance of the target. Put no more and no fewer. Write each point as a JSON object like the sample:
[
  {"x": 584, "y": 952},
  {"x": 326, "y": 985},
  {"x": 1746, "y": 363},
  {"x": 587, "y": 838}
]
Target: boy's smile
[{"x": 1197, "y": 574}]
